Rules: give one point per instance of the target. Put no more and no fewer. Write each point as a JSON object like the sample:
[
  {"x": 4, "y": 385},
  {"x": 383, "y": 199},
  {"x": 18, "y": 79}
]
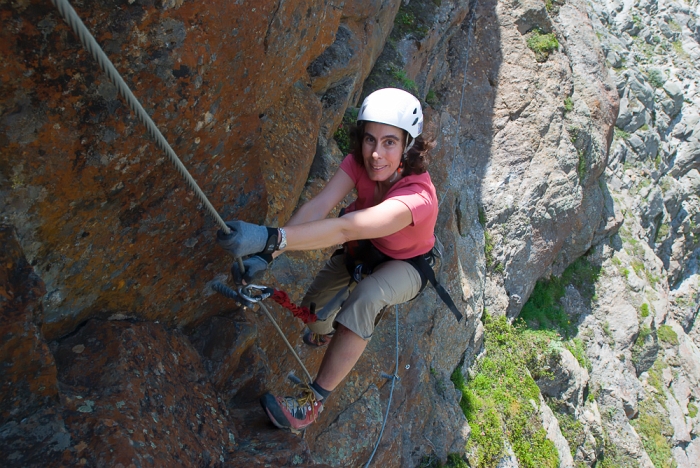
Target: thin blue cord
[{"x": 394, "y": 378}]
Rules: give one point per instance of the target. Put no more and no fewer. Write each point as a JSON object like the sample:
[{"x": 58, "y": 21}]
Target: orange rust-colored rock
[{"x": 106, "y": 219}]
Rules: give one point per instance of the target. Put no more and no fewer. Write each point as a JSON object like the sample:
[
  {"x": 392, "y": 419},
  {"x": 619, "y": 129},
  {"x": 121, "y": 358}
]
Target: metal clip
[{"x": 254, "y": 293}]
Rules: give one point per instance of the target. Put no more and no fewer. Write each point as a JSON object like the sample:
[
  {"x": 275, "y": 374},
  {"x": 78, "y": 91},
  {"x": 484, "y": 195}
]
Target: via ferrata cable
[{"x": 89, "y": 42}]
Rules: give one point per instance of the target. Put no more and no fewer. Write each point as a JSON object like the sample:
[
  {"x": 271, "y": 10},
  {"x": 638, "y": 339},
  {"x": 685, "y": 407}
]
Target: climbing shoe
[
  {"x": 316, "y": 339},
  {"x": 293, "y": 413}
]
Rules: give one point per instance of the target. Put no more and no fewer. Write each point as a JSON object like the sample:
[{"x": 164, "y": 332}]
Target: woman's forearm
[{"x": 371, "y": 223}]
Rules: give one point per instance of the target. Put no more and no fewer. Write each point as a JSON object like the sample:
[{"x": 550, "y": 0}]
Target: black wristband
[{"x": 272, "y": 241}]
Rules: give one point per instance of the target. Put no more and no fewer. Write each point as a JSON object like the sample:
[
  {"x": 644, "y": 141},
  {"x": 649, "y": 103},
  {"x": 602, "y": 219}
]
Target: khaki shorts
[{"x": 359, "y": 307}]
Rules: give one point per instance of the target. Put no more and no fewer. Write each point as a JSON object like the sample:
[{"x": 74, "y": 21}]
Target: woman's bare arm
[{"x": 381, "y": 220}]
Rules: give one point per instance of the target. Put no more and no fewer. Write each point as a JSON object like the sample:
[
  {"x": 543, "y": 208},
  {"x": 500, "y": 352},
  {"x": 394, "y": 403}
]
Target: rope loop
[{"x": 302, "y": 313}]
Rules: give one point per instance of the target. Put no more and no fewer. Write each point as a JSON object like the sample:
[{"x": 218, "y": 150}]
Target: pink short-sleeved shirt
[{"x": 417, "y": 192}]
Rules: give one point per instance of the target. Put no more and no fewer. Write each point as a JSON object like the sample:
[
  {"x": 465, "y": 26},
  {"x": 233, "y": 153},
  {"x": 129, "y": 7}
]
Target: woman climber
[{"x": 396, "y": 209}]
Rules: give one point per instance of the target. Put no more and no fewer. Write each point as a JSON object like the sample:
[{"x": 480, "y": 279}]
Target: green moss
[
  {"x": 692, "y": 410},
  {"x": 431, "y": 98},
  {"x": 482, "y": 217},
  {"x": 402, "y": 81},
  {"x": 488, "y": 248},
  {"x": 341, "y": 135},
  {"x": 542, "y": 44},
  {"x": 496, "y": 401},
  {"x": 667, "y": 335},
  {"x": 644, "y": 310},
  {"x": 572, "y": 430},
  {"x": 578, "y": 349},
  {"x": 581, "y": 168},
  {"x": 543, "y": 311},
  {"x": 568, "y": 104},
  {"x": 654, "y": 429}
]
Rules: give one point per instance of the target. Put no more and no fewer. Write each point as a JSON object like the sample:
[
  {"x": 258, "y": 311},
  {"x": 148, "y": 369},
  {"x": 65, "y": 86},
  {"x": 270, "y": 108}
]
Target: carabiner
[{"x": 254, "y": 293}]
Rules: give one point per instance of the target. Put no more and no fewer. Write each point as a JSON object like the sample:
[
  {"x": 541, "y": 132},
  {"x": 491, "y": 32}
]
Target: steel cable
[{"x": 89, "y": 42}]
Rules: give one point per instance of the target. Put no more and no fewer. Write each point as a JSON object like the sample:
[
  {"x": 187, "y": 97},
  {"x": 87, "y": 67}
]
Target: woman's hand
[
  {"x": 255, "y": 267},
  {"x": 247, "y": 239}
]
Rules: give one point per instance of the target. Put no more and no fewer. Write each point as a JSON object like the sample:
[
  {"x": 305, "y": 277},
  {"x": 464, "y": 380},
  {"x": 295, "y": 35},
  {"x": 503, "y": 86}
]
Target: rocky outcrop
[{"x": 126, "y": 355}]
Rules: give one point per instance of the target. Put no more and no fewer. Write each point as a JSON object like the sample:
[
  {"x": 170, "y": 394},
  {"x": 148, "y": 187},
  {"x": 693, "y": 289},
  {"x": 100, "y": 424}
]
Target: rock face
[{"x": 116, "y": 351}]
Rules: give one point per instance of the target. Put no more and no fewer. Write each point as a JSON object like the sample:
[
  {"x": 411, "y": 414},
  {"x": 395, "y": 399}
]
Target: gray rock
[
  {"x": 644, "y": 352},
  {"x": 675, "y": 94},
  {"x": 551, "y": 425},
  {"x": 568, "y": 380}
]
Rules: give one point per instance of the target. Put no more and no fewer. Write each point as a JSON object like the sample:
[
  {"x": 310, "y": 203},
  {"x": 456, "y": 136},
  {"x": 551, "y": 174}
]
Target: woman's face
[{"x": 382, "y": 148}]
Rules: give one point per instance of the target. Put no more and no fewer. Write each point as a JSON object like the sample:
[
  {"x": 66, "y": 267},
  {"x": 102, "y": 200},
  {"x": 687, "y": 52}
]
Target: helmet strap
[{"x": 409, "y": 143}]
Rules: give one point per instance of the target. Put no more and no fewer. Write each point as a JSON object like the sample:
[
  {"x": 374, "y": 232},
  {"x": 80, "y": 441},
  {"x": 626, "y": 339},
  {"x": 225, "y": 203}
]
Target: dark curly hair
[{"x": 415, "y": 161}]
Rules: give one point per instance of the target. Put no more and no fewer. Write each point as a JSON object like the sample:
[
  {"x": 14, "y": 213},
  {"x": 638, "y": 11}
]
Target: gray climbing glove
[
  {"x": 247, "y": 239},
  {"x": 255, "y": 267}
]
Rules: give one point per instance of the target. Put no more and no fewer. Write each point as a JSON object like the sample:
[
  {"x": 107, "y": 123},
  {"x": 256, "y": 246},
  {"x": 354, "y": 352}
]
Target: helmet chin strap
[{"x": 409, "y": 144}]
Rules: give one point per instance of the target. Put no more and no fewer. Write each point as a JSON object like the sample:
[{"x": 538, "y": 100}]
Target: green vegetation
[
  {"x": 543, "y": 311},
  {"x": 432, "y": 461},
  {"x": 644, "y": 127},
  {"x": 407, "y": 23},
  {"x": 482, "y": 217},
  {"x": 342, "y": 135},
  {"x": 401, "y": 80},
  {"x": 578, "y": 349},
  {"x": 488, "y": 248},
  {"x": 572, "y": 430},
  {"x": 606, "y": 329},
  {"x": 496, "y": 401},
  {"x": 656, "y": 78},
  {"x": 644, "y": 310},
  {"x": 581, "y": 167},
  {"x": 568, "y": 104},
  {"x": 542, "y": 44},
  {"x": 662, "y": 232},
  {"x": 678, "y": 49},
  {"x": 692, "y": 410},
  {"x": 655, "y": 431},
  {"x": 674, "y": 26},
  {"x": 638, "y": 346},
  {"x": 667, "y": 335},
  {"x": 621, "y": 134},
  {"x": 431, "y": 98}
]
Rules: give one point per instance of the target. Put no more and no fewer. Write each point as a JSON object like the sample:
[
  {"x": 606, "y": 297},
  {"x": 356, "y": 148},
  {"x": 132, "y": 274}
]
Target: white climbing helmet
[{"x": 395, "y": 107}]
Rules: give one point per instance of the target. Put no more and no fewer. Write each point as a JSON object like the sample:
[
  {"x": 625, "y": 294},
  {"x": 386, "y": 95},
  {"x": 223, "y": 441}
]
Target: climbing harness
[{"x": 362, "y": 257}]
